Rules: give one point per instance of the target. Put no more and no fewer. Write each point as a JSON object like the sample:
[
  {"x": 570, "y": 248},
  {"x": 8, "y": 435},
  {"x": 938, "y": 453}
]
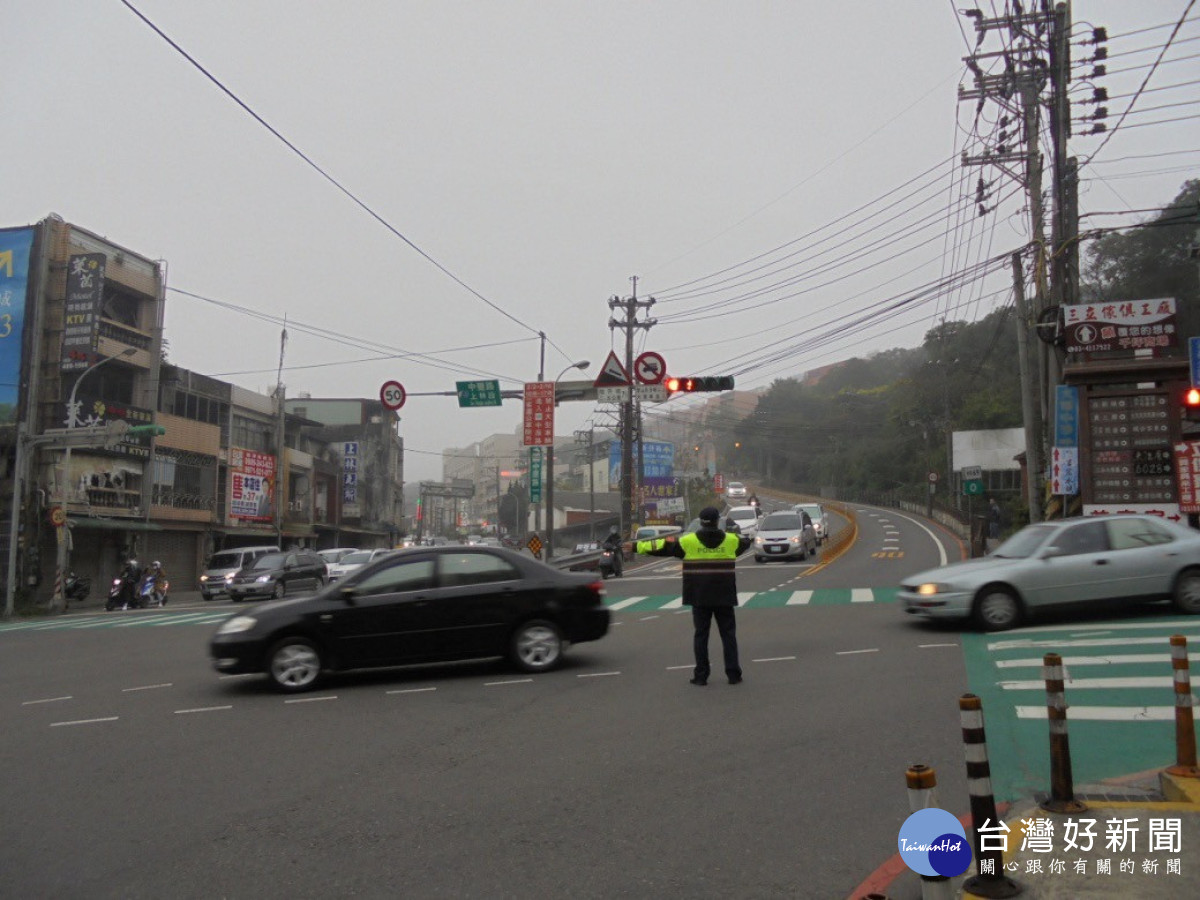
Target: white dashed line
[
  {"x": 312, "y": 699},
  {"x": 852, "y": 652},
  {"x": 146, "y": 687},
  {"x": 514, "y": 681},
  {"x": 928, "y": 646},
  {"x": 47, "y": 700},
  {"x": 413, "y": 690},
  {"x": 184, "y": 712},
  {"x": 84, "y": 721},
  {"x": 773, "y": 659},
  {"x": 596, "y": 674}
]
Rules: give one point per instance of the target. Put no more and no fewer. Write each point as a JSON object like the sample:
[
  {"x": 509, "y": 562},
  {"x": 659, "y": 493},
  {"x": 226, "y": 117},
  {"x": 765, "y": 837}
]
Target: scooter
[
  {"x": 125, "y": 593},
  {"x": 150, "y": 593},
  {"x": 608, "y": 564},
  {"x": 76, "y": 588}
]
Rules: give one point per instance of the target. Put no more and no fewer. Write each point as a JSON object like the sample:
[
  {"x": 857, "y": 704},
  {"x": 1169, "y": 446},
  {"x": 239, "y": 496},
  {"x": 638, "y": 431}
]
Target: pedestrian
[
  {"x": 993, "y": 519},
  {"x": 709, "y": 586}
]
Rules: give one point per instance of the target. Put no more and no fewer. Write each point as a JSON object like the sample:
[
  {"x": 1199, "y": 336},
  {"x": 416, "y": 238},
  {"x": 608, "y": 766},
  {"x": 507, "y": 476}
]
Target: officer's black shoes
[
  {"x": 736, "y": 679},
  {"x": 701, "y": 682}
]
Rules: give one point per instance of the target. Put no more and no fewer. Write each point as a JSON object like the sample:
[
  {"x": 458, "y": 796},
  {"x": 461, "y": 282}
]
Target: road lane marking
[
  {"x": 930, "y": 646},
  {"x": 596, "y": 674},
  {"x": 514, "y": 681},
  {"x": 628, "y": 601},
  {"x": 852, "y": 652},
  {"x": 773, "y": 659},
  {"x": 799, "y": 598},
  {"x": 47, "y": 700},
  {"x": 745, "y": 597},
  {"x": 312, "y": 699},
  {"x": 201, "y": 709},
  {"x": 862, "y": 595},
  {"x": 669, "y": 668},
  {"x": 85, "y": 721},
  {"x": 1032, "y": 662},
  {"x": 1105, "y": 713},
  {"x": 146, "y": 687},
  {"x": 412, "y": 690},
  {"x": 674, "y": 604},
  {"x": 1166, "y": 682},
  {"x": 1054, "y": 645}
]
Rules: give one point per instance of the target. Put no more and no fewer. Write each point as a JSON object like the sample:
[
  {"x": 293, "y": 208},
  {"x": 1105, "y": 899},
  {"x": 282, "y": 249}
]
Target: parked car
[
  {"x": 420, "y": 605},
  {"x": 352, "y": 562},
  {"x": 1079, "y": 563},
  {"x": 785, "y": 535},
  {"x": 820, "y": 521},
  {"x": 735, "y": 490},
  {"x": 746, "y": 518},
  {"x": 224, "y": 564},
  {"x": 279, "y": 574}
]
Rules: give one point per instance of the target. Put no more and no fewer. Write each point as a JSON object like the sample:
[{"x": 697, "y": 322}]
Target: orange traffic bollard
[
  {"x": 1062, "y": 788},
  {"x": 990, "y": 881},
  {"x": 1185, "y": 728}
]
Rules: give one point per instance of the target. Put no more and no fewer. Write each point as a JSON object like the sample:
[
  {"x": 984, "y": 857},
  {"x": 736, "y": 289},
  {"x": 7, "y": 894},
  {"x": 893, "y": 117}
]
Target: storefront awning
[{"x": 112, "y": 524}]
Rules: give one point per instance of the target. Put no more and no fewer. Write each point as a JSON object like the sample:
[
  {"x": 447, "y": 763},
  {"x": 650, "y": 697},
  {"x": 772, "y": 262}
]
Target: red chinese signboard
[
  {"x": 539, "y": 414},
  {"x": 719, "y": 483},
  {"x": 1125, "y": 325},
  {"x": 252, "y": 477},
  {"x": 1187, "y": 465}
]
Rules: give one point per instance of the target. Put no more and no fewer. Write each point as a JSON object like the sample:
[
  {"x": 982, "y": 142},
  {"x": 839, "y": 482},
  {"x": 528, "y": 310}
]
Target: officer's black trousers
[{"x": 702, "y": 617}]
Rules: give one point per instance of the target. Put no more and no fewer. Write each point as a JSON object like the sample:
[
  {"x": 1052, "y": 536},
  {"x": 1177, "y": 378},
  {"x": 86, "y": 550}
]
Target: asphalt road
[{"x": 134, "y": 771}]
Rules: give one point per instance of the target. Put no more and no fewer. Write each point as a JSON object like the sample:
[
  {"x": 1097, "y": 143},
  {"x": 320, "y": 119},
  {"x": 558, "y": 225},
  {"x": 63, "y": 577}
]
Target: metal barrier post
[
  {"x": 990, "y": 881},
  {"x": 922, "y": 794},
  {"x": 1185, "y": 729},
  {"x": 1062, "y": 789}
]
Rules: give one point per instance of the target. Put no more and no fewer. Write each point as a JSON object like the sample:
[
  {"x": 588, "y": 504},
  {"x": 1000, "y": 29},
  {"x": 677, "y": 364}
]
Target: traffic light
[
  {"x": 693, "y": 384},
  {"x": 1191, "y": 404}
]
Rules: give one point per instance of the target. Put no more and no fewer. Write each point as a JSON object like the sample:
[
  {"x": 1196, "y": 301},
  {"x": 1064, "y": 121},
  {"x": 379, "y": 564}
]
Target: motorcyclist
[
  {"x": 131, "y": 579},
  {"x": 613, "y": 543},
  {"x": 156, "y": 572}
]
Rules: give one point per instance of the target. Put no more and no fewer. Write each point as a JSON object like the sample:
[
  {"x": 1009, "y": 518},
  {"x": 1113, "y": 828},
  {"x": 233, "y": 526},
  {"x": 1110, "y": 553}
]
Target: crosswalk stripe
[
  {"x": 1105, "y": 713},
  {"x": 799, "y": 598},
  {"x": 628, "y": 601},
  {"x": 862, "y": 595},
  {"x": 1149, "y": 681},
  {"x": 677, "y": 603}
]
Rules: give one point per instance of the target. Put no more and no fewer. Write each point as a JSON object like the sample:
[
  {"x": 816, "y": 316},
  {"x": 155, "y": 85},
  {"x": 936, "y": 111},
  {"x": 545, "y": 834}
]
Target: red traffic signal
[
  {"x": 697, "y": 383},
  {"x": 1191, "y": 403}
]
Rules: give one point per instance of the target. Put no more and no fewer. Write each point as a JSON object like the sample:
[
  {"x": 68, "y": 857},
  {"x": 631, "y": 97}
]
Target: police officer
[{"x": 709, "y": 586}]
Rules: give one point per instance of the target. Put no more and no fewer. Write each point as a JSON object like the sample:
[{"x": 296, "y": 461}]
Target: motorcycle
[
  {"x": 153, "y": 592},
  {"x": 76, "y": 588},
  {"x": 125, "y": 593},
  {"x": 608, "y": 564}
]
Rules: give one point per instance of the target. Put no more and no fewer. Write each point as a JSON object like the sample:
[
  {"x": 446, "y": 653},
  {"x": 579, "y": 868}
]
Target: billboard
[
  {"x": 16, "y": 246},
  {"x": 659, "y": 456},
  {"x": 85, "y": 301},
  {"x": 252, "y": 480}
]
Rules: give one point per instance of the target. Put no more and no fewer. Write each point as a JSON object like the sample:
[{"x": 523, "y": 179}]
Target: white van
[
  {"x": 224, "y": 565},
  {"x": 650, "y": 532}
]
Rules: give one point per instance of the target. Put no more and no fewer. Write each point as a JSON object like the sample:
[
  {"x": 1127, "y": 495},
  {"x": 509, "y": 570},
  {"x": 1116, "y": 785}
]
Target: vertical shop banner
[
  {"x": 252, "y": 477},
  {"x": 1187, "y": 468},
  {"x": 16, "y": 245},
  {"x": 350, "y": 507},
  {"x": 538, "y": 428},
  {"x": 85, "y": 300}
]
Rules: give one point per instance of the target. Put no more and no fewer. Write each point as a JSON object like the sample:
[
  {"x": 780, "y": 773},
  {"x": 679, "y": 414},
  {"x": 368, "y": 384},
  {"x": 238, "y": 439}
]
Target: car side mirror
[
  {"x": 349, "y": 595},
  {"x": 1052, "y": 551}
]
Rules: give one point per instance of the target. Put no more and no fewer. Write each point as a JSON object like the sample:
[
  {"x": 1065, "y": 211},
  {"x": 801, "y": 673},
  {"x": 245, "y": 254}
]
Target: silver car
[
  {"x": 785, "y": 535},
  {"x": 820, "y": 521},
  {"x": 1080, "y": 562}
]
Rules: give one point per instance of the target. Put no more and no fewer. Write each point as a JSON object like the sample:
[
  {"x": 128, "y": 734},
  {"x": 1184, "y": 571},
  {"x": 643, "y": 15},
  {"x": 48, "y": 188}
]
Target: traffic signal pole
[{"x": 630, "y": 305}]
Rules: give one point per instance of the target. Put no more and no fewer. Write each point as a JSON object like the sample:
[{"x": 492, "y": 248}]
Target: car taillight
[{"x": 597, "y": 588}]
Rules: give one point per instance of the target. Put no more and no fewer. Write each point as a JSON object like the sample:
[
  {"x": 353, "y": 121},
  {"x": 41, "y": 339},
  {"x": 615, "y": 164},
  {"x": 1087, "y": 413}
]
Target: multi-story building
[{"x": 82, "y": 347}]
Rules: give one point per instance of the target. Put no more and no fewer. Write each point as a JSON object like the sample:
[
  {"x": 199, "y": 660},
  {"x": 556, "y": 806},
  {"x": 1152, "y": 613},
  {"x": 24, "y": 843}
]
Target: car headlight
[
  {"x": 264, "y": 578},
  {"x": 931, "y": 587},
  {"x": 237, "y": 625},
  {"x": 795, "y": 539},
  {"x": 229, "y": 577},
  {"x": 758, "y": 540}
]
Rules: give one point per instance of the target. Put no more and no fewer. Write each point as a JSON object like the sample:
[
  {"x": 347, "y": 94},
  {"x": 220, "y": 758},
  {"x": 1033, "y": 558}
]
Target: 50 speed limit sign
[{"x": 392, "y": 395}]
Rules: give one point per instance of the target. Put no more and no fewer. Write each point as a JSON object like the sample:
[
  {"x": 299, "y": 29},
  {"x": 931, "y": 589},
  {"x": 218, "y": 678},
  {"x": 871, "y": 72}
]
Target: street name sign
[{"x": 478, "y": 393}]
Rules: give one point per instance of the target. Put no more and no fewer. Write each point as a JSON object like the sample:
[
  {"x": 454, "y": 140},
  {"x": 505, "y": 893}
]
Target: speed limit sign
[{"x": 392, "y": 395}]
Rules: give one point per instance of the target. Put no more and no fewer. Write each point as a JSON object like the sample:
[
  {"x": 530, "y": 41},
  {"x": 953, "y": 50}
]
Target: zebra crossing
[
  {"x": 1119, "y": 688},
  {"x": 642, "y": 603}
]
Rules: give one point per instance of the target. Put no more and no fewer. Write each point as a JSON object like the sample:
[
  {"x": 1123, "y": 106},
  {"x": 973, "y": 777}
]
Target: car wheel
[
  {"x": 320, "y": 584},
  {"x": 997, "y": 609},
  {"x": 280, "y": 590},
  {"x": 537, "y": 646},
  {"x": 294, "y": 664},
  {"x": 1186, "y": 595}
]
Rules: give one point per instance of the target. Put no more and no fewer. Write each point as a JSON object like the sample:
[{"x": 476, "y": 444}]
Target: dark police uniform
[{"x": 709, "y": 588}]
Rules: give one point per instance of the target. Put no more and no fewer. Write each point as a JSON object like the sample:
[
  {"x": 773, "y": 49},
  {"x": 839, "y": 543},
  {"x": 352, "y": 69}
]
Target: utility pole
[
  {"x": 280, "y": 437},
  {"x": 588, "y": 439},
  {"x": 1029, "y": 394},
  {"x": 629, "y": 306}
]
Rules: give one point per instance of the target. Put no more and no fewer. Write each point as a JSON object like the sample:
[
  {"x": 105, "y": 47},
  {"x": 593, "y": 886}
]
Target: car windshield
[
  {"x": 357, "y": 558},
  {"x": 814, "y": 512},
  {"x": 780, "y": 522},
  {"x": 269, "y": 561},
  {"x": 1025, "y": 542},
  {"x": 747, "y": 513},
  {"x": 736, "y": 486},
  {"x": 231, "y": 560}
]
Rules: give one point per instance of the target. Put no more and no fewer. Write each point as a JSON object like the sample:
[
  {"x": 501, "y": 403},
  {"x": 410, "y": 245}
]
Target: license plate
[{"x": 776, "y": 549}]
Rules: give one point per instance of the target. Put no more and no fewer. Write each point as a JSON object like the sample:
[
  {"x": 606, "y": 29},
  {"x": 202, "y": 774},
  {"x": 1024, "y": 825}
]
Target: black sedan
[{"x": 420, "y": 605}]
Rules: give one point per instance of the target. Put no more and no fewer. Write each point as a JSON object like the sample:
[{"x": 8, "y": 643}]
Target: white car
[
  {"x": 352, "y": 562},
  {"x": 746, "y": 518},
  {"x": 820, "y": 520},
  {"x": 735, "y": 490}
]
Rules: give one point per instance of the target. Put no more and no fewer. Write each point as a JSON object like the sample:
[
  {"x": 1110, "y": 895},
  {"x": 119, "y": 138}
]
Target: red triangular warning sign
[{"x": 613, "y": 374}]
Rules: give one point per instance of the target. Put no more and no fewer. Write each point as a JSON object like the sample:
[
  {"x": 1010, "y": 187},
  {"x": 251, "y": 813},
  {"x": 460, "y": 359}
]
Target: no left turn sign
[
  {"x": 650, "y": 368},
  {"x": 392, "y": 395}
]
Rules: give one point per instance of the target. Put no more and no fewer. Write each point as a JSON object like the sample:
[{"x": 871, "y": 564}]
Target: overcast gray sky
[{"x": 527, "y": 158}]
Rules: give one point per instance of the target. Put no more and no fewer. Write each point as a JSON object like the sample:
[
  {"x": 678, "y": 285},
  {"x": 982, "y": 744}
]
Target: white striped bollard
[
  {"x": 922, "y": 794},
  {"x": 1185, "y": 728},
  {"x": 990, "y": 881},
  {"x": 1062, "y": 788}
]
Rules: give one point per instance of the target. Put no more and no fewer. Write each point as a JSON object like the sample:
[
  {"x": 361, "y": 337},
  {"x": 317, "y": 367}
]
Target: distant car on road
[
  {"x": 420, "y": 605},
  {"x": 820, "y": 520},
  {"x": 279, "y": 574},
  {"x": 352, "y": 562},
  {"x": 746, "y": 518},
  {"x": 1079, "y": 563},
  {"x": 785, "y": 535},
  {"x": 335, "y": 554},
  {"x": 735, "y": 490}
]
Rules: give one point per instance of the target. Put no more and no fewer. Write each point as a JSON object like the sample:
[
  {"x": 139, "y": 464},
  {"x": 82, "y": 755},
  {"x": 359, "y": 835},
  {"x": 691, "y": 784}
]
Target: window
[
  {"x": 405, "y": 575},
  {"x": 475, "y": 568},
  {"x": 1090, "y": 537},
  {"x": 1126, "y": 534}
]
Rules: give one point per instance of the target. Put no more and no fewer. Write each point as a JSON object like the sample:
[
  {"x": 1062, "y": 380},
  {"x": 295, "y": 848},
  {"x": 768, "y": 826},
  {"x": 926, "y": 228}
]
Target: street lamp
[
  {"x": 581, "y": 365},
  {"x": 63, "y": 560}
]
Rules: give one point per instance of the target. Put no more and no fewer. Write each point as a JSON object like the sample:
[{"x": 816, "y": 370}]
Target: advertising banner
[
  {"x": 85, "y": 300},
  {"x": 16, "y": 244},
  {"x": 538, "y": 430},
  {"x": 350, "y": 507},
  {"x": 252, "y": 481},
  {"x": 1124, "y": 325},
  {"x": 660, "y": 461}
]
